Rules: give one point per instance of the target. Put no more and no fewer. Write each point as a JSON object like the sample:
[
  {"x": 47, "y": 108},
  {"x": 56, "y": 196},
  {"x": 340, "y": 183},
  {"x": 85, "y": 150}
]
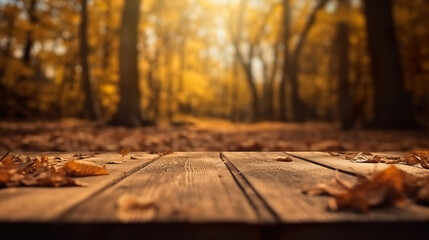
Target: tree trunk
[
  {"x": 29, "y": 42},
  {"x": 298, "y": 107},
  {"x": 253, "y": 91},
  {"x": 247, "y": 63},
  {"x": 128, "y": 111},
  {"x": 344, "y": 99},
  {"x": 393, "y": 107},
  {"x": 6, "y": 53},
  {"x": 234, "y": 89},
  {"x": 286, "y": 55},
  {"x": 91, "y": 106}
]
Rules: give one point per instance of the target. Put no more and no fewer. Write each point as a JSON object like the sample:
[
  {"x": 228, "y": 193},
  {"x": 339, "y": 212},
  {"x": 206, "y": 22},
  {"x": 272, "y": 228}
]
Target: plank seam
[
  {"x": 263, "y": 210},
  {"x": 325, "y": 165},
  {"x": 107, "y": 186}
]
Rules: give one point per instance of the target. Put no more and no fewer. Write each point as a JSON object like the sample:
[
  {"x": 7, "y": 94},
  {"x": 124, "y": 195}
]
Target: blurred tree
[
  {"x": 291, "y": 61},
  {"x": 393, "y": 108},
  {"x": 246, "y": 59},
  {"x": 128, "y": 112},
  {"x": 30, "y": 7},
  {"x": 91, "y": 104},
  {"x": 343, "y": 46}
]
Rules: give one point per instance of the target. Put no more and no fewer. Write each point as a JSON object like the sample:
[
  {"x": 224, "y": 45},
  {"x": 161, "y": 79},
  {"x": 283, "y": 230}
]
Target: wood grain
[
  {"x": 180, "y": 187},
  {"x": 44, "y": 204},
  {"x": 280, "y": 184},
  {"x": 326, "y": 159}
]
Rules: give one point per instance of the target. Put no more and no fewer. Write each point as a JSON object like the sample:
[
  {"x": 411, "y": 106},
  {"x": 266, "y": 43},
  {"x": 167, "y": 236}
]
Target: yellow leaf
[{"x": 80, "y": 168}]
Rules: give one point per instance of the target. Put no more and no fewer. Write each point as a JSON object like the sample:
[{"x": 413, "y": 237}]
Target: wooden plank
[
  {"x": 280, "y": 184},
  {"x": 326, "y": 159},
  {"x": 43, "y": 204},
  {"x": 180, "y": 187}
]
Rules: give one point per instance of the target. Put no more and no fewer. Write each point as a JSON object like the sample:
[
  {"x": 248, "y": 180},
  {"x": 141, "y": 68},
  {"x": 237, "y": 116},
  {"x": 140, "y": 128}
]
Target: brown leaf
[
  {"x": 351, "y": 155},
  {"x": 385, "y": 187},
  {"x": 335, "y": 154},
  {"x": 410, "y": 159},
  {"x": 51, "y": 178},
  {"x": 162, "y": 153},
  {"x": 4, "y": 177},
  {"x": 360, "y": 158},
  {"x": 114, "y": 162},
  {"x": 21, "y": 170},
  {"x": 284, "y": 159},
  {"x": 81, "y": 168},
  {"x": 424, "y": 162},
  {"x": 124, "y": 151},
  {"x": 84, "y": 156}
]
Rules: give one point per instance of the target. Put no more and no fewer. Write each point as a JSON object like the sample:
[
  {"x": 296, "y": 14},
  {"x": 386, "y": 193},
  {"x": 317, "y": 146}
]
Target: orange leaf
[
  {"x": 385, "y": 187},
  {"x": 81, "y": 168}
]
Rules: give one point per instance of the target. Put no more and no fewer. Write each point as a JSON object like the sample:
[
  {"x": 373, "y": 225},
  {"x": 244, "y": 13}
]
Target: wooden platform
[{"x": 211, "y": 195}]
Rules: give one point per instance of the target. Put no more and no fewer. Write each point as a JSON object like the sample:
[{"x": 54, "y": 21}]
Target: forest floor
[{"x": 203, "y": 135}]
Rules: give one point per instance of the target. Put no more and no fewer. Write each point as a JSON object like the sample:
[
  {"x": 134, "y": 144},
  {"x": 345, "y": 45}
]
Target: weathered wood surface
[
  {"x": 43, "y": 204},
  {"x": 327, "y": 160},
  {"x": 207, "y": 195},
  {"x": 189, "y": 187},
  {"x": 281, "y": 183}
]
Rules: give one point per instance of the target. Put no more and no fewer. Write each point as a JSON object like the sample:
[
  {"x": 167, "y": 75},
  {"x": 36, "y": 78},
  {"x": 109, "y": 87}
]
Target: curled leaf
[
  {"x": 284, "y": 159},
  {"x": 410, "y": 159},
  {"x": 81, "y": 168},
  {"x": 385, "y": 187},
  {"x": 21, "y": 170},
  {"x": 424, "y": 162},
  {"x": 335, "y": 154},
  {"x": 360, "y": 158}
]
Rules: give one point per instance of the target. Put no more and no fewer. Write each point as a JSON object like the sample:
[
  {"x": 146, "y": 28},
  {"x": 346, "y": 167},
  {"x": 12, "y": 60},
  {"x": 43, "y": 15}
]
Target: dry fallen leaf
[
  {"x": 114, "y": 162},
  {"x": 425, "y": 162},
  {"x": 162, "y": 153},
  {"x": 388, "y": 187},
  {"x": 284, "y": 159},
  {"x": 410, "y": 159},
  {"x": 124, "y": 151},
  {"x": 84, "y": 156},
  {"x": 335, "y": 154},
  {"x": 81, "y": 168},
  {"x": 18, "y": 170},
  {"x": 385, "y": 187},
  {"x": 359, "y": 158}
]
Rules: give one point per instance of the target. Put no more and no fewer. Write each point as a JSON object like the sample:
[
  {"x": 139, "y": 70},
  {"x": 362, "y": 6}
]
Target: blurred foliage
[{"x": 186, "y": 56}]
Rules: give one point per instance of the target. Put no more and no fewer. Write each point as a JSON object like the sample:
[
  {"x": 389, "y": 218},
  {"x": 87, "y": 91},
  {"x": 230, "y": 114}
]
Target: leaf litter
[
  {"x": 390, "y": 187},
  {"x": 411, "y": 158},
  {"x": 22, "y": 170}
]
